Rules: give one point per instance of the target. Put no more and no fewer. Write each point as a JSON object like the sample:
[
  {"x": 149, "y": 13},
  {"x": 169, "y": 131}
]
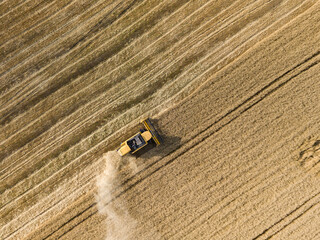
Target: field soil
[{"x": 232, "y": 86}]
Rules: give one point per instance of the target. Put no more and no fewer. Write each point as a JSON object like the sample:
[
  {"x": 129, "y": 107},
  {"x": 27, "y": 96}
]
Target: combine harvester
[{"x": 141, "y": 139}]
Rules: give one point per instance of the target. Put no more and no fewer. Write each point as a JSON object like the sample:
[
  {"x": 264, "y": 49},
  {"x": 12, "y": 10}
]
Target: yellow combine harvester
[{"x": 141, "y": 139}]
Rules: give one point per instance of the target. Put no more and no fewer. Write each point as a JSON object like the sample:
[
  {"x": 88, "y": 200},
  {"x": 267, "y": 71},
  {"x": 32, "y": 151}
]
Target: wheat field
[{"x": 233, "y": 87}]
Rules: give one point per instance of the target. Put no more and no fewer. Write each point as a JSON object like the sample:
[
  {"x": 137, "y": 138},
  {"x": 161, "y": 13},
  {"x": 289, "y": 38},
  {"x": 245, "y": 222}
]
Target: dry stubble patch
[
  {"x": 19, "y": 14},
  {"x": 7, "y": 6},
  {"x": 32, "y": 30},
  {"x": 286, "y": 46}
]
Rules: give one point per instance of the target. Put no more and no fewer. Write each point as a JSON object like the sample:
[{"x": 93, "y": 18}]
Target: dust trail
[{"x": 120, "y": 224}]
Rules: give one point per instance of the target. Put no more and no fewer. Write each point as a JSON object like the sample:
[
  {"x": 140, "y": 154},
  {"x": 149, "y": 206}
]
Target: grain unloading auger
[{"x": 141, "y": 139}]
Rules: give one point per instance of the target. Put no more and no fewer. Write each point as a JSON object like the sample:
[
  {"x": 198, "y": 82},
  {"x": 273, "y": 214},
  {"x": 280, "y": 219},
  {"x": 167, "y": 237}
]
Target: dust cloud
[{"x": 120, "y": 224}]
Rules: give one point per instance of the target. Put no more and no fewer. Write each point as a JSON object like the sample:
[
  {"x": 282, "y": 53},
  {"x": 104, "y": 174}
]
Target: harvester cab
[{"x": 146, "y": 135}]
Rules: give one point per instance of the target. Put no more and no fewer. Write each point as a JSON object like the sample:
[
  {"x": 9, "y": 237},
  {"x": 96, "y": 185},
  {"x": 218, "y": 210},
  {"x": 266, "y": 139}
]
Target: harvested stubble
[{"x": 232, "y": 85}]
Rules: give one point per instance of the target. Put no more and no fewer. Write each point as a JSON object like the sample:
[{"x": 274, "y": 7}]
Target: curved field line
[
  {"x": 89, "y": 86},
  {"x": 122, "y": 64},
  {"x": 33, "y": 11},
  {"x": 33, "y": 54},
  {"x": 21, "y": 84},
  {"x": 12, "y": 8},
  {"x": 209, "y": 35},
  {"x": 66, "y": 67},
  {"x": 8, "y": 39},
  {"x": 38, "y": 23},
  {"x": 199, "y": 43},
  {"x": 25, "y": 46},
  {"x": 20, "y": 5},
  {"x": 67, "y": 79}
]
